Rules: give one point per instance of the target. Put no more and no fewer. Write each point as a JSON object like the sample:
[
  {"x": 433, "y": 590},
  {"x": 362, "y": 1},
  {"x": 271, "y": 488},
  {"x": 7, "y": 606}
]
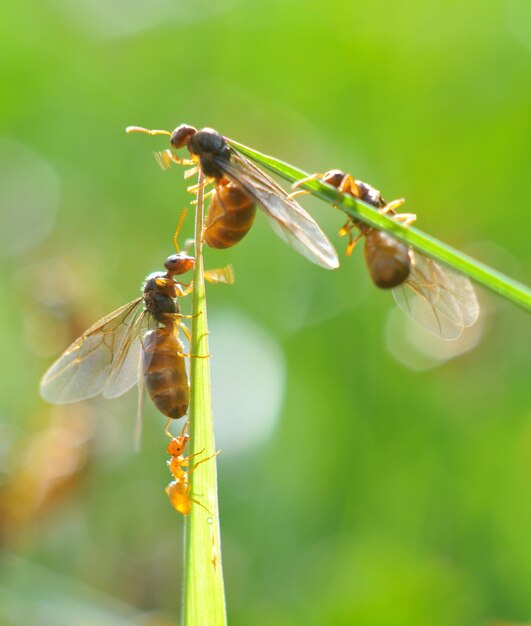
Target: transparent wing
[
  {"x": 289, "y": 220},
  {"x": 104, "y": 359},
  {"x": 439, "y": 299},
  {"x": 126, "y": 364}
]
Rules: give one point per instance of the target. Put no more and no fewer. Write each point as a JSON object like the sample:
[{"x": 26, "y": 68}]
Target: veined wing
[
  {"x": 103, "y": 360},
  {"x": 289, "y": 220},
  {"x": 439, "y": 299},
  {"x": 126, "y": 367}
]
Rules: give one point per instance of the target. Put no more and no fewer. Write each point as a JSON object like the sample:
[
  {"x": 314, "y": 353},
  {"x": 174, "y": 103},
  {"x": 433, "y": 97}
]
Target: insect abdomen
[
  {"x": 387, "y": 259},
  {"x": 165, "y": 372},
  {"x": 230, "y": 216},
  {"x": 179, "y": 494}
]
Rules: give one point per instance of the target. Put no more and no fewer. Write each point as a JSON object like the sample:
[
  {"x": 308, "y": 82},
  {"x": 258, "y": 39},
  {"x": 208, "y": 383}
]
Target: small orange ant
[{"x": 179, "y": 489}]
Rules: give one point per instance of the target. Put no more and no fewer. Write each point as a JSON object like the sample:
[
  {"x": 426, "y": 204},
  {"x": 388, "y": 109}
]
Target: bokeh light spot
[
  {"x": 29, "y": 197},
  {"x": 121, "y": 19},
  {"x": 248, "y": 378},
  {"x": 418, "y": 349}
]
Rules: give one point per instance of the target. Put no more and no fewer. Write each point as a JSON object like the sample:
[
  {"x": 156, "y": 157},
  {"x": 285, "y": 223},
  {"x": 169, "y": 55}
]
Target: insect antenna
[
  {"x": 182, "y": 217},
  {"x": 146, "y": 131}
]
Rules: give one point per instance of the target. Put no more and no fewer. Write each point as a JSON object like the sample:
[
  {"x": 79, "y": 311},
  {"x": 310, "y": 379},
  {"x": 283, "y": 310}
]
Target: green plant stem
[
  {"x": 481, "y": 273},
  {"x": 204, "y": 597}
]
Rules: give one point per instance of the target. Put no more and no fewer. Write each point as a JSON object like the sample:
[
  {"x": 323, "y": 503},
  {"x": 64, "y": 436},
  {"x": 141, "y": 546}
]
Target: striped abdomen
[
  {"x": 230, "y": 216},
  {"x": 165, "y": 372}
]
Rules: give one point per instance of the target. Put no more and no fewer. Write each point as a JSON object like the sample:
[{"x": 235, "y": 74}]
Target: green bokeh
[{"x": 384, "y": 495}]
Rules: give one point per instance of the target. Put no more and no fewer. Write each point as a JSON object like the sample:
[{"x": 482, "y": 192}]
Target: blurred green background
[{"x": 368, "y": 475}]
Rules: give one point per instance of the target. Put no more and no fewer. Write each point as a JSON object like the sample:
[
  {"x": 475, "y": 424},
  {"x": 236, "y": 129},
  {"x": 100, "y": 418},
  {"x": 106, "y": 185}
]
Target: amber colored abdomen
[
  {"x": 165, "y": 372},
  {"x": 179, "y": 494},
  {"x": 387, "y": 259},
  {"x": 230, "y": 216}
]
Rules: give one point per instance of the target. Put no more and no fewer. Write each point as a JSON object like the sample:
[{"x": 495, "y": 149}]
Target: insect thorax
[
  {"x": 369, "y": 194},
  {"x": 157, "y": 302},
  {"x": 209, "y": 145}
]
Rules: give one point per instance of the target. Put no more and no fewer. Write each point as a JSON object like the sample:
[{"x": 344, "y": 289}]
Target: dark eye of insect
[{"x": 172, "y": 261}]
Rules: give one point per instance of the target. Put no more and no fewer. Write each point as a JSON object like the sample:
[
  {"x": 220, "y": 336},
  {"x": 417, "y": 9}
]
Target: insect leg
[
  {"x": 185, "y": 330},
  {"x": 207, "y": 228},
  {"x": 179, "y": 316},
  {"x": 390, "y": 207},
  {"x": 302, "y": 181},
  {"x": 196, "y": 465},
  {"x": 165, "y": 158},
  {"x": 220, "y": 217},
  {"x": 191, "y": 456},
  {"x": 206, "y": 196},
  {"x": 179, "y": 465},
  {"x": 209, "y": 194},
  {"x": 167, "y": 429},
  {"x": 345, "y": 230},
  {"x": 191, "y": 172},
  {"x": 348, "y": 185},
  {"x": 194, "y": 188},
  {"x": 406, "y": 218},
  {"x": 352, "y": 241},
  {"x": 201, "y": 505},
  {"x": 194, "y": 356}
]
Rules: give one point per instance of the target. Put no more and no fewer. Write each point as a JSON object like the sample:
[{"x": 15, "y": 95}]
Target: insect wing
[
  {"x": 439, "y": 299},
  {"x": 101, "y": 355},
  {"x": 289, "y": 220},
  {"x": 127, "y": 365}
]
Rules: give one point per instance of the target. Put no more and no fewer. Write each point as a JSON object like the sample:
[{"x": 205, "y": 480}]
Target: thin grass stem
[
  {"x": 479, "y": 272},
  {"x": 204, "y": 596}
]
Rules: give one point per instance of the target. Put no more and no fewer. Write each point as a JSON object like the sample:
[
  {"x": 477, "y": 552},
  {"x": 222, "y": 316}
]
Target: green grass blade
[
  {"x": 204, "y": 597},
  {"x": 481, "y": 273}
]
